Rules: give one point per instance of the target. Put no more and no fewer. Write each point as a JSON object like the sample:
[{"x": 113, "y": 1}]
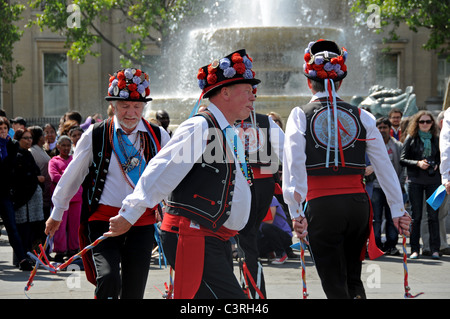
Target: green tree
[
  {"x": 430, "y": 14},
  {"x": 144, "y": 21},
  {"x": 9, "y": 34}
]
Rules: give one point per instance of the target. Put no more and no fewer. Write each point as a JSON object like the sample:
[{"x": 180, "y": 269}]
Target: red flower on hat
[
  {"x": 343, "y": 68},
  {"x": 317, "y": 67},
  {"x": 111, "y": 78},
  {"x": 132, "y": 87},
  {"x": 212, "y": 79},
  {"x": 322, "y": 74},
  {"x": 122, "y": 84},
  {"x": 201, "y": 74},
  {"x": 307, "y": 57},
  {"x": 239, "y": 67},
  {"x": 211, "y": 69},
  {"x": 120, "y": 76},
  {"x": 134, "y": 95},
  {"x": 236, "y": 58},
  {"x": 332, "y": 74},
  {"x": 138, "y": 72},
  {"x": 147, "y": 91}
]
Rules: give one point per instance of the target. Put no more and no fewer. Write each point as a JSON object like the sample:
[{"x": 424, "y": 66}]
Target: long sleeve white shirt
[
  {"x": 294, "y": 159},
  {"x": 444, "y": 147},
  {"x": 116, "y": 188},
  {"x": 169, "y": 167}
]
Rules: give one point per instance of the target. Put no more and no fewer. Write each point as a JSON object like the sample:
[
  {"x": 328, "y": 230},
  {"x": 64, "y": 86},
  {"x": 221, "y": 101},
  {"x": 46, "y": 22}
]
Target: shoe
[
  {"x": 26, "y": 265},
  {"x": 393, "y": 252},
  {"x": 281, "y": 260},
  {"x": 426, "y": 252},
  {"x": 435, "y": 255},
  {"x": 271, "y": 256},
  {"x": 414, "y": 255},
  {"x": 445, "y": 251},
  {"x": 59, "y": 258}
]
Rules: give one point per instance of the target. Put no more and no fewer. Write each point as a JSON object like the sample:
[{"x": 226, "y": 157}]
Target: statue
[{"x": 381, "y": 100}]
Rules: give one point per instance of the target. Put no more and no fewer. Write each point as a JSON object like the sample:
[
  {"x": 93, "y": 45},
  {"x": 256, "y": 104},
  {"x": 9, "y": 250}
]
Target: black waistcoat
[
  {"x": 205, "y": 194},
  {"x": 353, "y": 135},
  {"x": 102, "y": 149}
]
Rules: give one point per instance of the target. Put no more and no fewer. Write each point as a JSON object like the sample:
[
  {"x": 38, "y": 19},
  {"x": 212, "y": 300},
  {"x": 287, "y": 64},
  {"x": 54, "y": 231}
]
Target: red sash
[
  {"x": 344, "y": 184},
  {"x": 190, "y": 252}
]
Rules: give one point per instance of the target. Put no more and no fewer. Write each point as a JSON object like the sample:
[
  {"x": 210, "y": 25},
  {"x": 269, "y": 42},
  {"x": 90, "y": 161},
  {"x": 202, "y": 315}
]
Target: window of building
[
  {"x": 443, "y": 74},
  {"x": 56, "y": 86},
  {"x": 387, "y": 70}
]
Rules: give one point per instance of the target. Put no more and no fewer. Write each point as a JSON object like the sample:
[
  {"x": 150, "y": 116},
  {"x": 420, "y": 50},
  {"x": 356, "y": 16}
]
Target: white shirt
[
  {"x": 116, "y": 187},
  {"x": 169, "y": 167},
  {"x": 444, "y": 147},
  {"x": 294, "y": 168}
]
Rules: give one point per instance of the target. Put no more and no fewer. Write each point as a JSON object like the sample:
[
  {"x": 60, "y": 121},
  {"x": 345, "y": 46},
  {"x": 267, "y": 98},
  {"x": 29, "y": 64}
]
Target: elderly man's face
[{"x": 129, "y": 114}]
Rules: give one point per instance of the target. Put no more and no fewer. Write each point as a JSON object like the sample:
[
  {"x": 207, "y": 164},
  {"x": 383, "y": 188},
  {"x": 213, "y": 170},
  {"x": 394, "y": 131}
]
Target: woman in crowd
[
  {"x": 8, "y": 151},
  {"x": 50, "y": 140},
  {"x": 41, "y": 158},
  {"x": 27, "y": 193},
  {"x": 66, "y": 238},
  {"x": 421, "y": 156}
]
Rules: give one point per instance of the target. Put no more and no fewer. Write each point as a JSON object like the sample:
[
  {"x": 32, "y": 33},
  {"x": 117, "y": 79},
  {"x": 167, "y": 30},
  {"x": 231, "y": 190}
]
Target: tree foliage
[
  {"x": 145, "y": 22},
  {"x": 9, "y": 34},
  {"x": 430, "y": 14}
]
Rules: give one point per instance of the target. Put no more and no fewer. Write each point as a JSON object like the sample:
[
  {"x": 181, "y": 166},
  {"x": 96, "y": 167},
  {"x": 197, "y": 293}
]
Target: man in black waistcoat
[
  {"x": 204, "y": 174},
  {"x": 323, "y": 164},
  {"x": 263, "y": 141},
  {"x": 109, "y": 159}
]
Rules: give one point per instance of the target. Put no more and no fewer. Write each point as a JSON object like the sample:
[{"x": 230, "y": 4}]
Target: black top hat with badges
[
  {"x": 324, "y": 60},
  {"x": 235, "y": 68},
  {"x": 129, "y": 85}
]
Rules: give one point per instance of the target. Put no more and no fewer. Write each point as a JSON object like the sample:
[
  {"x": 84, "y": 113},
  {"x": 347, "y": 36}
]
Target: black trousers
[
  {"x": 122, "y": 263},
  {"x": 338, "y": 229},
  {"x": 218, "y": 280},
  {"x": 247, "y": 239},
  {"x": 272, "y": 238}
]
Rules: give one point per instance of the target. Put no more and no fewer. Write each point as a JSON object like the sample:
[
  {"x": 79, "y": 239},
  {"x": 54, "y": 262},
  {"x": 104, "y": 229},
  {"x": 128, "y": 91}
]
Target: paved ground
[{"x": 383, "y": 279}]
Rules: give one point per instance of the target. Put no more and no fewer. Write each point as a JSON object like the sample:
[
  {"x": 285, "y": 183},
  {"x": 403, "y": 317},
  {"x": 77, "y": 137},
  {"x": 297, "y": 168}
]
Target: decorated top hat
[
  {"x": 324, "y": 60},
  {"x": 235, "y": 68},
  {"x": 129, "y": 85}
]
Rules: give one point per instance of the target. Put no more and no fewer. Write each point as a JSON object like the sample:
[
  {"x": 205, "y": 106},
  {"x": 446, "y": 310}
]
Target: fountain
[{"x": 274, "y": 34}]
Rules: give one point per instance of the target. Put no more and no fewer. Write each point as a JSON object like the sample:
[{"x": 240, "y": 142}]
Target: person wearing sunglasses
[{"x": 421, "y": 156}]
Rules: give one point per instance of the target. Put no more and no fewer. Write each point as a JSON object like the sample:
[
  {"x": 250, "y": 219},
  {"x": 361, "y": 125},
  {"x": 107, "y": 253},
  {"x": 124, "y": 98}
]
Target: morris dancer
[
  {"x": 110, "y": 157},
  {"x": 204, "y": 173},
  {"x": 263, "y": 141},
  {"x": 325, "y": 166}
]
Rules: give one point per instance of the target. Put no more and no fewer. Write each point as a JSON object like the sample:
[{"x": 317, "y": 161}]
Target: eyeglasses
[{"x": 425, "y": 122}]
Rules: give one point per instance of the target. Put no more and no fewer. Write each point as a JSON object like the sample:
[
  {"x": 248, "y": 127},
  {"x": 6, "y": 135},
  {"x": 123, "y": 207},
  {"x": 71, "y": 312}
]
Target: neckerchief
[
  {"x": 121, "y": 142},
  {"x": 425, "y": 137}
]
